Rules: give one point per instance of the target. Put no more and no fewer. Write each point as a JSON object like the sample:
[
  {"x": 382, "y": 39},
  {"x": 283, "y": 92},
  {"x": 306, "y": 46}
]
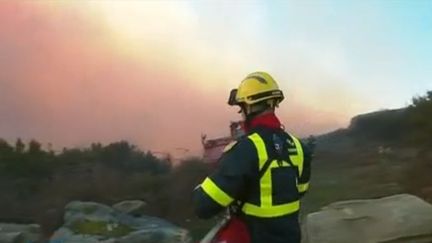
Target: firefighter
[{"x": 262, "y": 175}]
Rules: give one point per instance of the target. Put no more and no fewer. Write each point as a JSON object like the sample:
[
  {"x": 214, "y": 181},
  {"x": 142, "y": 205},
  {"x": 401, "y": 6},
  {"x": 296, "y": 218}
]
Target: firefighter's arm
[
  {"x": 303, "y": 181},
  {"x": 227, "y": 183}
]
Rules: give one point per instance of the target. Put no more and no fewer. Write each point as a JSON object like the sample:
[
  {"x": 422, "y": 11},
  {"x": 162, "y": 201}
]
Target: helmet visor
[{"x": 232, "y": 98}]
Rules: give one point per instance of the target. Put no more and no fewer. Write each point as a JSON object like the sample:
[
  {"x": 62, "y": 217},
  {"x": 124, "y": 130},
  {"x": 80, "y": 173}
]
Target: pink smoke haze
[{"x": 63, "y": 80}]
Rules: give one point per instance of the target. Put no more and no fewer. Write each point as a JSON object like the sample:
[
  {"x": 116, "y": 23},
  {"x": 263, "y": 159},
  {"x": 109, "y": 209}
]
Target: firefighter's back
[{"x": 272, "y": 202}]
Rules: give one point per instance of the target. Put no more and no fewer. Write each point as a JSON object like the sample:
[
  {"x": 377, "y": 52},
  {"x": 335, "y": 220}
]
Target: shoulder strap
[
  {"x": 237, "y": 210},
  {"x": 268, "y": 163},
  {"x": 262, "y": 172},
  {"x": 265, "y": 167},
  {"x": 279, "y": 147}
]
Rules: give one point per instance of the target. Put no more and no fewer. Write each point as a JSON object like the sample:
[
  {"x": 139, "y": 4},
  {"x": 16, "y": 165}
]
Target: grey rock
[
  {"x": 398, "y": 218},
  {"x": 20, "y": 232},
  {"x": 14, "y": 237},
  {"x": 132, "y": 207},
  {"x": 77, "y": 210},
  {"x": 90, "y": 222},
  {"x": 65, "y": 235}
]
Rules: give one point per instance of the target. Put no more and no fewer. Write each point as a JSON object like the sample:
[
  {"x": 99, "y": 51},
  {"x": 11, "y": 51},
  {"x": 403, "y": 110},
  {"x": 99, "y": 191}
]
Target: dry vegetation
[
  {"x": 35, "y": 185},
  {"x": 379, "y": 154}
]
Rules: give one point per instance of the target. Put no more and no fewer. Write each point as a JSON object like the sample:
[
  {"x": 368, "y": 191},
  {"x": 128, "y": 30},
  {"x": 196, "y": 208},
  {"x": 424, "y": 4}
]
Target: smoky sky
[{"x": 63, "y": 82}]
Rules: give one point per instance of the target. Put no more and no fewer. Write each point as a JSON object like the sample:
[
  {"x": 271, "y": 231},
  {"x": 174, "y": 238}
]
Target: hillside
[{"x": 378, "y": 154}]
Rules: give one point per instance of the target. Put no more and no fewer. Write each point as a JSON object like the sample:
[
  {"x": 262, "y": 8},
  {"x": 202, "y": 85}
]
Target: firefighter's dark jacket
[{"x": 271, "y": 203}]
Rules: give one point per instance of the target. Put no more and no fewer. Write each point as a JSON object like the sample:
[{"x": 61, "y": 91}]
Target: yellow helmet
[{"x": 256, "y": 87}]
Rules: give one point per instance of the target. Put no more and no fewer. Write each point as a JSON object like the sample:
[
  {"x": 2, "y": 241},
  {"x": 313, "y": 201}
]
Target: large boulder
[
  {"x": 14, "y": 237},
  {"x": 20, "y": 233},
  {"x": 90, "y": 222},
  {"x": 132, "y": 207},
  {"x": 395, "y": 219}
]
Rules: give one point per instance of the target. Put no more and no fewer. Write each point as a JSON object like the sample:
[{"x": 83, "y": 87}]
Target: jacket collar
[{"x": 267, "y": 120}]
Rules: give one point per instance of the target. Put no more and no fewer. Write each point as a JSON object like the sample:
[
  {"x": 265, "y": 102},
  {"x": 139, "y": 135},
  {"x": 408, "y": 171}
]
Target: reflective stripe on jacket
[{"x": 271, "y": 203}]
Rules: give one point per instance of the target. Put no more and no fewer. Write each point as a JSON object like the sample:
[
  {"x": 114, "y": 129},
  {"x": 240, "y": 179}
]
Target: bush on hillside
[{"x": 420, "y": 112}]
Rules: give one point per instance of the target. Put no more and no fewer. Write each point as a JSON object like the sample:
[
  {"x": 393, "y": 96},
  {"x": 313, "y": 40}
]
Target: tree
[
  {"x": 5, "y": 147},
  {"x": 422, "y": 101},
  {"x": 419, "y": 117},
  {"x": 19, "y": 146},
  {"x": 6, "y": 151},
  {"x": 34, "y": 147}
]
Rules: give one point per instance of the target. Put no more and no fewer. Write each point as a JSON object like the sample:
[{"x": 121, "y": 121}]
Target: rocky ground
[
  {"x": 90, "y": 222},
  {"x": 399, "y": 218},
  {"x": 394, "y": 219}
]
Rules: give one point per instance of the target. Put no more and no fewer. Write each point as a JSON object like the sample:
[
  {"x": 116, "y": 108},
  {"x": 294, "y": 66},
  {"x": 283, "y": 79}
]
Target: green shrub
[{"x": 101, "y": 228}]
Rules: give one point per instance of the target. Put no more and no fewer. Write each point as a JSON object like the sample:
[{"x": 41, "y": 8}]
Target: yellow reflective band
[
  {"x": 273, "y": 211},
  {"x": 265, "y": 182},
  {"x": 302, "y": 187},
  {"x": 261, "y": 148},
  {"x": 266, "y": 209},
  {"x": 297, "y": 159},
  {"x": 216, "y": 193}
]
